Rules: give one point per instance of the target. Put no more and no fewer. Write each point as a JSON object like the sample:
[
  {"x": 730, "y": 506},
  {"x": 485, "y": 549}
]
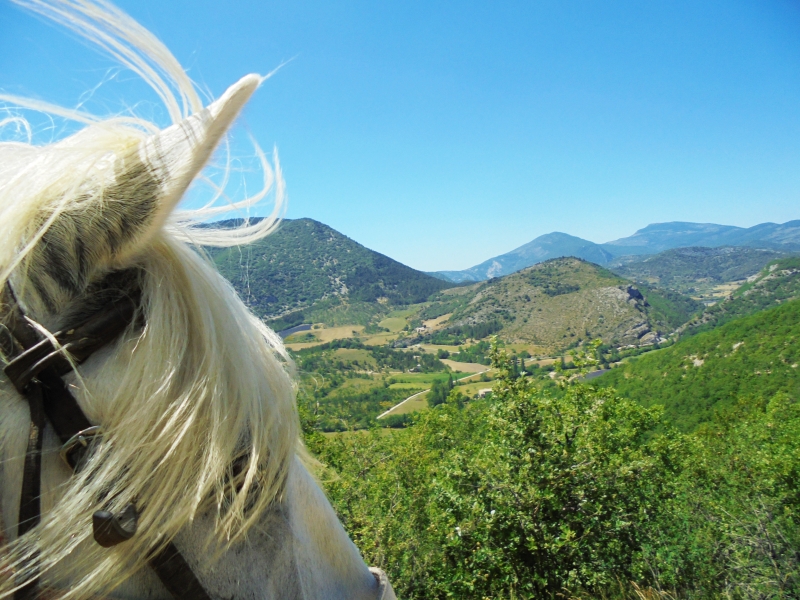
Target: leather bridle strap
[{"x": 35, "y": 369}]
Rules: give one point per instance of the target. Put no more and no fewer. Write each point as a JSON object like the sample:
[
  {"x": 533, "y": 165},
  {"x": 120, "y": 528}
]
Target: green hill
[
  {"x": 307, "y": 266},
  {"x": 779, "y": 282},
  {"x": 754, "y": 356},
  {"x": 684, "y": 268},
  {"x": 559, "y": 303}
]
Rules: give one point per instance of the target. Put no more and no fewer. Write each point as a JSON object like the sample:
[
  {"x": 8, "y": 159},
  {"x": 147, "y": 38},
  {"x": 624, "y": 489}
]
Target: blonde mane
[{"x": 197, "y": 404}]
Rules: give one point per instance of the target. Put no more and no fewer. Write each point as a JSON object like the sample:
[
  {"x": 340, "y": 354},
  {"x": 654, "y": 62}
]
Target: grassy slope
[
  {"x": 562, "y": 301},
  {"x": 305, "y": 262},
  {"x": 753, "y": 356}
]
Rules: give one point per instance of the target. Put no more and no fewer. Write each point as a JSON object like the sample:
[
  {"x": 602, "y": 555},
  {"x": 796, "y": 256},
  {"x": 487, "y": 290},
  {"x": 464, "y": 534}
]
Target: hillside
[
  {"x": 559, "y": 303},
  {"x": 308, "y": 266},
  {"x": 776, "y": 284},
  {"x": 682, "y": 269},
  {"x": 754, "y": 356}
]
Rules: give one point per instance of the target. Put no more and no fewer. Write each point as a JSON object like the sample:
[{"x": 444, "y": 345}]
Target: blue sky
[{"x": 444, "y": 133}]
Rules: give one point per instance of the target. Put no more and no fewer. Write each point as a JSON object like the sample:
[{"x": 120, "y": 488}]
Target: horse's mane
[{"x": 198, "y": 407}]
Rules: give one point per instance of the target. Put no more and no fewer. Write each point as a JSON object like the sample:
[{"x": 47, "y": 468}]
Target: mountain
[
  {"x": 755, "y": 356},
  {"x": 653, "y": 239},
  {"x": 544, "y": 247},
  {"x": 665, "y": 236},
  {"x": 306, "y": 265},
  {"x": 557, "y": 304},
  {"x": 684, "y": 268}
]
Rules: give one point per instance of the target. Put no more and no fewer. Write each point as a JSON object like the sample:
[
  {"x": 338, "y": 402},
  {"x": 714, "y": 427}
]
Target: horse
[{"x": 191, "y": 479}]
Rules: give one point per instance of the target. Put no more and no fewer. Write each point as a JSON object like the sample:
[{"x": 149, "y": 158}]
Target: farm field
[{"x": 323, "y": 335}]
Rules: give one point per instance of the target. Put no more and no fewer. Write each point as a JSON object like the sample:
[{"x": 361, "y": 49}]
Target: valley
[
  {"x": 644, "y": 411},
  {"x": 372, "y": 337}
]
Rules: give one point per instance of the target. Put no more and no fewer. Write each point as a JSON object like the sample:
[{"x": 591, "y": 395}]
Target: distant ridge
[
  {"x": 652, "y": 239},
  {"x": 665, "y": 236},
  {"x": 544, "y": 247}
]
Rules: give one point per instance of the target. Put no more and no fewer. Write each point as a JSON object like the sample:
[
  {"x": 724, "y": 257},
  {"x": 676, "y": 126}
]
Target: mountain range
[{"x": 652, "y": 239}]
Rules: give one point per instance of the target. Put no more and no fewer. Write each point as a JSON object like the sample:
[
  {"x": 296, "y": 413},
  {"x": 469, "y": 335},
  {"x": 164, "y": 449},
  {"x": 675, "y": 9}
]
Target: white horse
[{"x": 195, "y": 398}]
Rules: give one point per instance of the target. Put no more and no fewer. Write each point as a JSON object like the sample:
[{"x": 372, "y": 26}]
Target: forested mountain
[
  {"x": 682, "y": 268},
  {"x": 750, "y": 357},
  {"x": 306, "y": 262},
  {"x": 559, "y": 303}
]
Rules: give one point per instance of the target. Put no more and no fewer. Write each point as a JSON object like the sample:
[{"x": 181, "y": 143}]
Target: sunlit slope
[
  {"x": 558, "y": 303},
  {"x": 754, "y": 356}
]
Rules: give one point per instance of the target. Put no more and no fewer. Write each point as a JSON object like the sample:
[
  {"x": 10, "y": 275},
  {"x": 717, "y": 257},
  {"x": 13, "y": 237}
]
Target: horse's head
[
  {"x": 77, "y": 211},
  {"x": 194, "y": 397}
]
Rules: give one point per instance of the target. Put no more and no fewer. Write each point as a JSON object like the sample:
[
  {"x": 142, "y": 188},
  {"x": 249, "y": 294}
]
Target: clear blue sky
[{"x": 444, "y": 133}]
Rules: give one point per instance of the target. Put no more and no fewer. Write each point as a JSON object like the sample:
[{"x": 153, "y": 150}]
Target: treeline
[
  {"x": 458, "y": 334},
  {"x": 582, "y": 494},
  {"x": 320, "y": 359},
  {"x": 348, "y": 409}
]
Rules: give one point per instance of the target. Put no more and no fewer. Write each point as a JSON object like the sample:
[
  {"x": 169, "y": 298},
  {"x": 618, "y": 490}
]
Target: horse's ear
[{"x": 172, "y": 158}]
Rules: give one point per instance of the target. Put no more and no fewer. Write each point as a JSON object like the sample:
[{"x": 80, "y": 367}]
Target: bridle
[{"x": 36, "y": 368}]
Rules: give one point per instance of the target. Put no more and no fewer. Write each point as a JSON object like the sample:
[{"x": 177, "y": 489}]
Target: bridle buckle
[{"x": 79, "y": 441}]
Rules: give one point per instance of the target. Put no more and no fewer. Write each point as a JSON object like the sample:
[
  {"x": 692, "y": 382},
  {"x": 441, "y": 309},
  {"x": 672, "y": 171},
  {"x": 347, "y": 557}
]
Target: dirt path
[{"x": 398, "y": 405}]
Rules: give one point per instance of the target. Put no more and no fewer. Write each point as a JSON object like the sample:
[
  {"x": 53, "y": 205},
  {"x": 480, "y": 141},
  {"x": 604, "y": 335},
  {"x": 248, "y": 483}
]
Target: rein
[{"x": 36, "y": 368}]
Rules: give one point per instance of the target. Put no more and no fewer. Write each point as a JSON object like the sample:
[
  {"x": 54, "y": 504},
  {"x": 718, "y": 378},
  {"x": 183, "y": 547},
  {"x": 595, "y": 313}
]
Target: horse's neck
[{"x": 298, "y": 551}]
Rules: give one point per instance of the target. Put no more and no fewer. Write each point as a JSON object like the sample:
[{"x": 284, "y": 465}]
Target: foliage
[
  {"x": 341, "y": 386},
  {"x": 535, "y": 495},
  {"x": 523, "y": 495},
  {"x": 320, "y": 359},
  {"x": 439, "y": 391},
  {"x": 682, "y": 268},
  {"x": 732, "y": 528},
  {"x": 669, "y": 307},
  {"x": 458, "y": 334},
  {"x": 476, "y": 353},
  {"x": 776, "y": 284},
  {"x": 755, "y": 356},
  {"x": 305, "y": 262}
]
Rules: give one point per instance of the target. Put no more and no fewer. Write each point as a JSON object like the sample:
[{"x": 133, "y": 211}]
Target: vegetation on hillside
[
  {"x": 345, "y": 385},
  {"x": 751, "y": 357},
  {"x": 557, "y": 305},
  {"x": 668, "y": 308},
  {"x": 305, "y": 262},
  {"x": 681, "y": 268},
  {"x": 578, "y": 494},
  {"x": 778, "y": 283}
]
